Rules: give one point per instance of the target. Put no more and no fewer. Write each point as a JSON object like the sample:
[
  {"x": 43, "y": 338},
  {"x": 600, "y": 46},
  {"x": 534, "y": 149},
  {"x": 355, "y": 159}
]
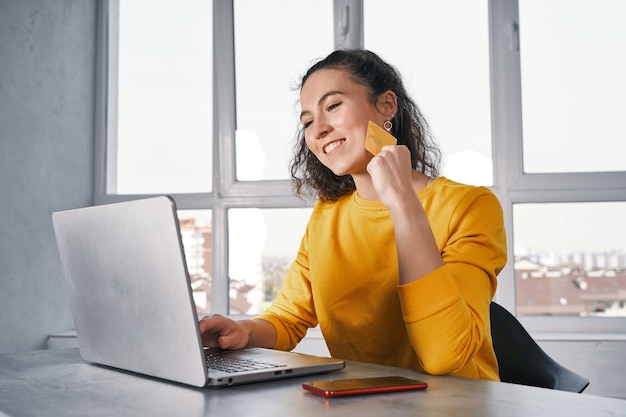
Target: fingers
[
  {"x": 211, "y": 328},
  {"x": 221, "y": 332},
  {"x": 393, "y": 163},
  {"x": 207, "y": 332},
  {"x": 391, "y": 174}
]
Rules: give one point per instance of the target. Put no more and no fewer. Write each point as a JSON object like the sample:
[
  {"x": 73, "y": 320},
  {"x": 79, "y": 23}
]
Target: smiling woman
[{"x": 392, "y": 260}]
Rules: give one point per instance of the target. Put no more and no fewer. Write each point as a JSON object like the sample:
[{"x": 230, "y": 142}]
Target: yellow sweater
[{"x": 345, "y": 278}]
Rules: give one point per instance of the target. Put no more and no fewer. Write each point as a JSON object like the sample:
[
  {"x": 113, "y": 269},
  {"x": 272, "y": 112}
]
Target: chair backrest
[{"x": 522, "y": 361}]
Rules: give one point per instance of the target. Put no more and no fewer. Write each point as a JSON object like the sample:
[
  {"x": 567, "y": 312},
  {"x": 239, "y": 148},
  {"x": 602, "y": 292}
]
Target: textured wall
[{"x": 47, "y": 63}]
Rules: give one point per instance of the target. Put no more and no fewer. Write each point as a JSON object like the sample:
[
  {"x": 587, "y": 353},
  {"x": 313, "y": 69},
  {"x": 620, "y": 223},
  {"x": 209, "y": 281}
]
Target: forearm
[
  {"x": 418, "y": 254},
  {"x": 261, "y": 333}
]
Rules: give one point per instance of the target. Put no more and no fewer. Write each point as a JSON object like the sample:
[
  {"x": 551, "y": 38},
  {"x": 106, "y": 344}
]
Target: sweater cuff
[{"x": 428, "y": 295}]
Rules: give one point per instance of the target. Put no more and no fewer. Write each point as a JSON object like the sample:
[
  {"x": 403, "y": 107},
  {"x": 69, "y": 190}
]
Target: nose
[{"x": 321, "y": 127}]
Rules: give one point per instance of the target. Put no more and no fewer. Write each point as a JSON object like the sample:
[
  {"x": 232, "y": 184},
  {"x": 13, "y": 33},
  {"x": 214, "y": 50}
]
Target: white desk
[{"x": 59, "y": 383}]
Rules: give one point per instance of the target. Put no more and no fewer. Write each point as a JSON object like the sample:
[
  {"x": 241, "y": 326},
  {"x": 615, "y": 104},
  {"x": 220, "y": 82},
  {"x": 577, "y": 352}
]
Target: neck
[{"x": 365, "y": 187}]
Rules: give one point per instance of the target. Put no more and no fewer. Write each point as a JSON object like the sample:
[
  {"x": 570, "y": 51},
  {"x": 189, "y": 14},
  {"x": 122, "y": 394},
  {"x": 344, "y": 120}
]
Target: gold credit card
[{"x": 377, "y": 137}]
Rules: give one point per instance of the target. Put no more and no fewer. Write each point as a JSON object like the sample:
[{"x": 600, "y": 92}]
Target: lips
[{"x": 333, "y": 145}]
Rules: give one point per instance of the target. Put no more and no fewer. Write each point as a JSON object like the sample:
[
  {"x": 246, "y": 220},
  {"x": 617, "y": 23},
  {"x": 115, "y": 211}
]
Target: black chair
[{"x": 522, "y": 361}]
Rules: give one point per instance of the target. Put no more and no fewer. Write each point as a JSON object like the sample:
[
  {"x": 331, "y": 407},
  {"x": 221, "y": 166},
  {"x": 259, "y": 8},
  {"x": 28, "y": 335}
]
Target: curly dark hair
[{"x": 311, "y": 178}]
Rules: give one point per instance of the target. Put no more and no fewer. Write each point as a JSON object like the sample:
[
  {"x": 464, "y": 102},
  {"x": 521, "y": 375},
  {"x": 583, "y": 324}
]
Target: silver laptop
[{"x": 132, "y": 302}]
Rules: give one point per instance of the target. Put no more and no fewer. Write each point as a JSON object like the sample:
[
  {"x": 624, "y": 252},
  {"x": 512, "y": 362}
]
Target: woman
[{"x": 397, "y": 266}]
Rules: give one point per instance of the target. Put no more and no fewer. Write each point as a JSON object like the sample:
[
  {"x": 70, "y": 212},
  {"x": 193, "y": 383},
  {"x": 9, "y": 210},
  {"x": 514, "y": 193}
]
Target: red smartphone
[{"x": 359, "y": 386}]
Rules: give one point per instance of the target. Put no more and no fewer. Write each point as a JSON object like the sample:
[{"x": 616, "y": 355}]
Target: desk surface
[{"x": 59, "y": 382}]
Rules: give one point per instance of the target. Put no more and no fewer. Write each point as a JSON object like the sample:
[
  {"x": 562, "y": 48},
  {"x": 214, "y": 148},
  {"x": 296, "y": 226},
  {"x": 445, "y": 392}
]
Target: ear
[{"x": 388, "y": 103}]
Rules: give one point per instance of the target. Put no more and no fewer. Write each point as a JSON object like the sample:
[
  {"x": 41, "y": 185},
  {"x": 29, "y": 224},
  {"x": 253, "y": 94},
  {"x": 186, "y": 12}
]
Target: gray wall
[{"x": 47, "y": 54}]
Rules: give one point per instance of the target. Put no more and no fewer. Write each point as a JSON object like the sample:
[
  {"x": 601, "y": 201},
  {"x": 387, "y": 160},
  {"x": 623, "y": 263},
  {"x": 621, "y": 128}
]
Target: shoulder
[
  {"x": 444, "y": 187},
  {"x": 448, "y": 186},
  {"x": 454, "y": 197}
]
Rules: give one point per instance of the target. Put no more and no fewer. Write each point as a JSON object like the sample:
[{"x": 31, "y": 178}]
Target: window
[
  {"x": 573, "y": 61},
  {"x": 525, "y": 97},
  {"x": 564, "y": 266},
  {"x": 197, "y": 236},
  {"x": 162, "y": 108},
  {"x": 270, "y": 64},
  {"x": 164, "y": 135},
  {"x": 558, "y": 170},
  {"x": 261, "y": 249},
  {"x": 441, "y": 48}
]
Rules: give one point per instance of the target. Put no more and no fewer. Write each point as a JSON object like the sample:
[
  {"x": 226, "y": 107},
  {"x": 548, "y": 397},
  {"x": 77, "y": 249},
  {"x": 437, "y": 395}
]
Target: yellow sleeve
[{"x": 447, "y": 311}]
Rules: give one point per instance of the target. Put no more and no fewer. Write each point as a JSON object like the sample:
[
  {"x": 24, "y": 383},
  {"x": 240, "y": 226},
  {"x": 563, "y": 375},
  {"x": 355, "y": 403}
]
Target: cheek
[{"x": 309, "y": 142}]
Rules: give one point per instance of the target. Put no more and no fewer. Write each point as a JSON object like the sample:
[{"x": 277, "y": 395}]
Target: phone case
[{"x": 360, "y": 386}]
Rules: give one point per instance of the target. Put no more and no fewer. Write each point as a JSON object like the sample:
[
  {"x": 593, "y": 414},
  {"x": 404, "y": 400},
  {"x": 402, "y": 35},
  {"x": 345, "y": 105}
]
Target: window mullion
[
  {"x": 505, "y": 123},
  {"x": 506, "y": 107},
  {"x": 105, "y": 155},
  {"x": 223, "y": 146},
  {"x": 348, "y": 23}
]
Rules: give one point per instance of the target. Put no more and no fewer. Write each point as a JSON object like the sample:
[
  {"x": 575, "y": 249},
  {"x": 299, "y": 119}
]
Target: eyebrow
[{"x": 321, "y": 100}]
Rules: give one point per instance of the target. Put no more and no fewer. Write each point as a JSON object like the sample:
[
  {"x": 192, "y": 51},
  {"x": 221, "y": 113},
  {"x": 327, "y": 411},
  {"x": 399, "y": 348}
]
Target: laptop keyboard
[{"x": 216, "y": 361}]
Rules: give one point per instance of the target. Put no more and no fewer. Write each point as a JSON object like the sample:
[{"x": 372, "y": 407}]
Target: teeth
[{"x": 332, "y": 146}]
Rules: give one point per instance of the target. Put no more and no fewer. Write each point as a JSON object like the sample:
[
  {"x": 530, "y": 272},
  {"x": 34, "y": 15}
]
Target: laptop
[{"x": 132, "y": 303}]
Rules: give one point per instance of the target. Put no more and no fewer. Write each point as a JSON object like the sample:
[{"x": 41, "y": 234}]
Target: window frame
[{"x": 511, "y": 184}]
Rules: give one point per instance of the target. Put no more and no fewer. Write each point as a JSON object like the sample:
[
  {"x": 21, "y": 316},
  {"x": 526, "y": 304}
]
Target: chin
[{"x": 339, "y": 172}]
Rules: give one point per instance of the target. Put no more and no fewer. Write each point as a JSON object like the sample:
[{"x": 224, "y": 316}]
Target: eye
[
  {"x": 333, "y": 106},
  {"x": 307, "y": 123}
]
